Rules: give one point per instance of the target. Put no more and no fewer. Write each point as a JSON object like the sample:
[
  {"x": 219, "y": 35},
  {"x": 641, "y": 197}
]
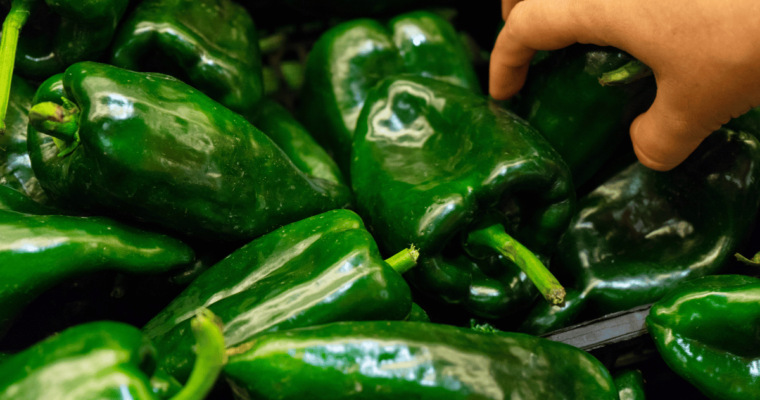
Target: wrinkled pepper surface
[
  {"x": 581, "y": 118},
  {"x": 106, "y": 360},
  {"x": 323, "y": 269},
  {"x": 151, "y": 147},
  {"x": 413, "y": 360},
  {"x": 211, "y": 45},
  {"x": 643, "y": 232},
  {"x": 707, "y": 332},
  {"x": 15, "y": 166},
  {"x": 438, "y": 166},
  {"x": 630, "y": 385},
  {"x": 349, "y": 59},
  {"x": 40, "y": 251}
]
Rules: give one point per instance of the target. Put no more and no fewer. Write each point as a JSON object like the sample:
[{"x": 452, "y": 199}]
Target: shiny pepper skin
[
  {"x": 707, "y": 332},
  {"x": 630, "y": 385},
  {"x": 212, "y": 45},
  {"x": 582, "y": 119},
  {"x": 60, "y": 33},
  {"x": 413, "y": 360},
  {"x": 430, "y": 160},
  {"x": 294, "y": 140},
  {"x": 351, "y": 58},
  {"x": 98, "y": 360},
  {"x": 322, "y": 269},
  {"x": 155, "y": 149},
  {"x": 643, "y": 232},
  {"x": 15, "y": 166},
  {"x": 41, "y": 249},
  {"x": 431, "y": 157}
]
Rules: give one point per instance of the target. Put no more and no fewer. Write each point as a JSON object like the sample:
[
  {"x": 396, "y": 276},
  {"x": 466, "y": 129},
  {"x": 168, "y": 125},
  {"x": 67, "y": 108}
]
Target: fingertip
[
  {"x": 662, "y": 144},
  {"x": 506, "y": 82},
  {"x": 508, "y": 66}
]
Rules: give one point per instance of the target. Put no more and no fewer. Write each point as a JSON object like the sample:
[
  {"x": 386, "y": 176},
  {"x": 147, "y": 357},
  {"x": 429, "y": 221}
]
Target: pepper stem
[
  {"x": 626, "y": 74},
  {"x": 496, "y": 238},
  {"x": 754, "y": 261},
  {"x": 404, "y": 260},
  {"x": 12, "y": 25},
  {"x": 211, "y": 357}
]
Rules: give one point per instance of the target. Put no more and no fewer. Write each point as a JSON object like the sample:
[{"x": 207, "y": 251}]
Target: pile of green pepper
[{"x": 287, "y": 245}]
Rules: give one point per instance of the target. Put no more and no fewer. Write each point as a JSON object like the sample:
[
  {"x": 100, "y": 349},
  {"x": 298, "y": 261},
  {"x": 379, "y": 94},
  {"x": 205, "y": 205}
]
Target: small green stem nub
[
  {"x": 626, "y": 74},
  {"x": 210, "y": 356},
  {"x": 496, "y": 238},
  {"x": 59, "y": 121},
  {"x": 12, "y": 25},
  {"x": 404, "y": 260}
]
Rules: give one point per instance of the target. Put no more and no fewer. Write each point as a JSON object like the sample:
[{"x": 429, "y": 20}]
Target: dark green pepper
[
  {"x": 13, "y": 200},
  {"x": 707, "y": 331},
  {"x": 322, "y": 269},
  {"x": 277, "y": 123},
  {"x": 106, "y": 360},
  {"x": 643, "y": 232},
  {"x": 350, "y": 8},
  {"x": 349, "y": 59},
  {"x": 15, "y": 165},
  {"x": 581, "y": 118},
  {"x": 412, "y": 360},
  {"x": 40, "y": 251},
  {"x": 630, "y": 385},
  {"x": 491, "y": 287},
  {"x": 151, "y": 147},
  {"x": 438, "y": 166},
  {"x": 211, "y": 45},
  {"x": 748, "y": 122},
  {"x": 61, "y": 33}
]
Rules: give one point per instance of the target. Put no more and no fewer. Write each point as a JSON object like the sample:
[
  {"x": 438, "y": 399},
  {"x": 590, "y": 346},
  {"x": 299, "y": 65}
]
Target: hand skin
[{"x": 705, "y": 55}]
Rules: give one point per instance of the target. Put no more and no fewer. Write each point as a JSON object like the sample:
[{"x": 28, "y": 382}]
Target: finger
[
  {"x": 508, "y": 66},
  {"x": 554, "y": 24},
  {"x": 532, "y": 25},
  {"x": 665, "y": 135},
  {"x": 506, "y": 7}
]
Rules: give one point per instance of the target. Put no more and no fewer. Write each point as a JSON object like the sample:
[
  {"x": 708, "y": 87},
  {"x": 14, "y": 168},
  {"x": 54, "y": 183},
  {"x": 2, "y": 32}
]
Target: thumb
[{"x": 668, "y": 132}]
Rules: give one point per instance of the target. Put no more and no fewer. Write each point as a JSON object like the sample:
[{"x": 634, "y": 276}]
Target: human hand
[{"x": 705, "y": 55}]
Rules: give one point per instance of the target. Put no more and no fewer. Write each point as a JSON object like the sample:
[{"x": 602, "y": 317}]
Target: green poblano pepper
[
  {"x": 41, "y": 249},
  {"x": 151, "y": 147},
  {"x": 107, "y": 360},
  {"x": 581, "y": 111},
  {"x": 630, "y": 385},
  {"x": 211, "y": 45},
  {"x": 277, "y": 123},
  {"x": 15, "y": 166},
  {"x": 707, "y": 332},
  {"x": 59, "y": 33},
  {"x": 323, "y": 269},
  {"x": 349, "y": 59},
  {"x": 748, "y": 122},
  {"x": 412, "y": 360},
  {"x": 490, "y": 287},
  {"x": 643, "y": 232},
  {"x": 440, "y": 167},
  {"x": 349, "y": 8}
]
